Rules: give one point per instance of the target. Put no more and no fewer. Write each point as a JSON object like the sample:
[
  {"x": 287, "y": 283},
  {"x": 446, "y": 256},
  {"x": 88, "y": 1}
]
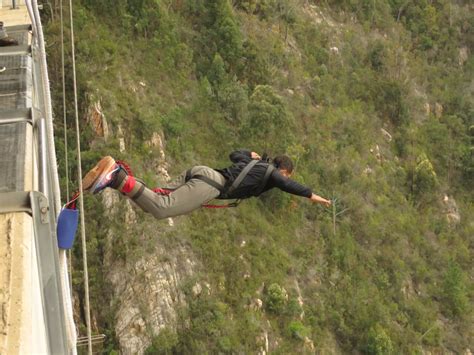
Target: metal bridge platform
[{"x": 32, "y": 315}]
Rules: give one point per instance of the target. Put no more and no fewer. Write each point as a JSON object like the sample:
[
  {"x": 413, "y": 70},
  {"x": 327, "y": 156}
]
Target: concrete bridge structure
[{"x": 35, "y": 302}]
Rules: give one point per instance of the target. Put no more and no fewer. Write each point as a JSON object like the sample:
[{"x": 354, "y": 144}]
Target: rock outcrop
[
  {"x": 451, "y": 209},
  {"x": 96, "y": 118},
  {"x": 148, "y": 293}
]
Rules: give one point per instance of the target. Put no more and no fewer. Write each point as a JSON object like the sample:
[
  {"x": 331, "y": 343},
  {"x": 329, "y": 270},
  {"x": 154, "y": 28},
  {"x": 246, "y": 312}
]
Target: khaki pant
[{"x": 186, "y": 196}]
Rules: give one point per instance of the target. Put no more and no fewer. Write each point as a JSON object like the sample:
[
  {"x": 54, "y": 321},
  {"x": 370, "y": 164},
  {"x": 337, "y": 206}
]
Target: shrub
[
  {"x": 425, "y": 179},
  {"x": 376, "y": 55},
  {"x": 268, "y": 120},
  {"x": 293, "y": 308},
  {"x": 454, "y": 290},
  {"x": 298, "y": 330},
  {"x": 389, "y": 100},
  {"x": 276, "y": 298},
  {"x": 164, "y": 343},
  {"x": 378, "y": 341}
]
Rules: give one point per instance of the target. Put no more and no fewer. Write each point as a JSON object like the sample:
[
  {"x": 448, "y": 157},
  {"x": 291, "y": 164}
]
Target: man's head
[{"x": 284, "y": 165}]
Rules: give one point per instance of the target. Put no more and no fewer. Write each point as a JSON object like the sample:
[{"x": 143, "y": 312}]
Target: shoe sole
[{"x": 94, "y": 175}]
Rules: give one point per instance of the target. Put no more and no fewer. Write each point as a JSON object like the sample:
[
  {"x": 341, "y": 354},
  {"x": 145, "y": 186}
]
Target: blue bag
[{"x": 67, "y": 226}]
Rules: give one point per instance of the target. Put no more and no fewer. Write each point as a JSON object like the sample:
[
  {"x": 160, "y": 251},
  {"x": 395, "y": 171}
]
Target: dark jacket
[{"x": 250, "y": 186}]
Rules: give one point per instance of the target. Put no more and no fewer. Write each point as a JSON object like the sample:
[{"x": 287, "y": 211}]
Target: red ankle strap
[{"x": 129, "y": 185}]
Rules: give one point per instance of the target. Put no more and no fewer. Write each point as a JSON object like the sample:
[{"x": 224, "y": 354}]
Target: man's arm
[
  {"x": 243, "y": 155},
  {"x": 290, "y": 186},
  {"x": 295, "y": 188},
  {"x": 318, "y": 199}
]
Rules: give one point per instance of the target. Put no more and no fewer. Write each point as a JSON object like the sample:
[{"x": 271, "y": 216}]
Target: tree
[
  {"x": 217, "y": 74},
  {"x": 229, "y": 92},
  {"x": 454, "y": 290},
  {"x": 268, "y": 121},
  {"x": 254, "y": 67},
  {"x": 225, "y": 31},
  {"x": 425, "y": 179}
]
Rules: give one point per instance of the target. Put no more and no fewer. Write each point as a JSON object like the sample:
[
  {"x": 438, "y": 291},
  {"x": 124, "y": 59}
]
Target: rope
[
  {"x": 64, "y": 100},
  {"x": 81, "y": 199},
  {"x": 65, "y": 128}
]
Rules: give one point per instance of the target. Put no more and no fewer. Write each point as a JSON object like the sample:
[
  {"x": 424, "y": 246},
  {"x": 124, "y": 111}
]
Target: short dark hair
[{"x": 283, "y": 162}]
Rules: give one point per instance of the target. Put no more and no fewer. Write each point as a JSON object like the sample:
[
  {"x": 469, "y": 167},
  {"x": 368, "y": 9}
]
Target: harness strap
[
  {"x": 241, "y": 176},
  {"x": 138, "y": 193},
  {"x": 209, "y": 181},
  {"x": 268, "y": 172},
  {"x": 188, "y": 175},
  {"x": 163, "y": 191},
  {"x": 206, "y": 179},
  {"x": 232, "y": 204}
]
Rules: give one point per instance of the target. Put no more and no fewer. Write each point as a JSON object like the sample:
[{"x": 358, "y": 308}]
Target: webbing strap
[
  {"x": 209, "y": 181},
  {"x": 163, "y": 191},
  {"x": 241, "y": 176},
  {"x": 138, "y": 193},
  {"x": 268, "y": 172}
]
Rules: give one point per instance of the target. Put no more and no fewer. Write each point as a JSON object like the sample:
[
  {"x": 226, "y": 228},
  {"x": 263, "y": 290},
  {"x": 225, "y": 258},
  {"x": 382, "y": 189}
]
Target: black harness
[{"x": 226, "y": 191}]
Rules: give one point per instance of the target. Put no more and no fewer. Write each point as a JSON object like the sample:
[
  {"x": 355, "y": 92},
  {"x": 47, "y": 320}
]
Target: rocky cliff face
[
  {"x": 146, "y": 289},
  {"x": 148, "y": 293}
]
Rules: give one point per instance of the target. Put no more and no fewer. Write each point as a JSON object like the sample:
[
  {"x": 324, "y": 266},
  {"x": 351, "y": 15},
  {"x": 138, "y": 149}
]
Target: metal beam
[
  {"x": 15, "y": 116},
  {"x": 36, "y": 204},
  {"x": 15, "y": 202},
  {"x": 21, "y": 49},
  {"x": 47, "y": 253},
  {"x": 17, "y": 28}
]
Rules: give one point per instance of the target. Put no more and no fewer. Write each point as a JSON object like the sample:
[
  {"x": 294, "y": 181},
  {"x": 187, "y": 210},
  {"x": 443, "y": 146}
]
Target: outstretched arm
[
  {"x": 295, "y": 188},
  {"x": 318, "y": 199},
  {"x": 289, "y": 185}
]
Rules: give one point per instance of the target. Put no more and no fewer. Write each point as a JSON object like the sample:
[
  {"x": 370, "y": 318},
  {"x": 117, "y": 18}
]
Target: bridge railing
[{"x": 29, "y": 154}]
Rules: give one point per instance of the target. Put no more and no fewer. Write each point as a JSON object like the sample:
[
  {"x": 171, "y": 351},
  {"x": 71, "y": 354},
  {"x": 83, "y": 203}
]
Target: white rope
[
  {"x": 81, "y": 199},
  {"x": 32, "y": 16},
  {"x": 64, "y": 100},
  {"x": 65, "y": 128}
]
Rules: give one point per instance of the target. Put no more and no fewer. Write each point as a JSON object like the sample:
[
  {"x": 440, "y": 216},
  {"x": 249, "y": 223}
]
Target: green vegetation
[
  {"x": 378, "y": 342},
  {"x": 373, "y": 99},
  {"x": 275, "y": 298}
]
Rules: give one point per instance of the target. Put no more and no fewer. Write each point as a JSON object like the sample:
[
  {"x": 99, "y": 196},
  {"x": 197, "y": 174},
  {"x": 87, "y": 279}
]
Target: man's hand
[
  {"x": 318, "y": 199},
  {"x": 255, "y": 156}
]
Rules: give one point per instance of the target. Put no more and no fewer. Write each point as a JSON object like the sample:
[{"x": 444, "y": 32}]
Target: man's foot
[{"x": 103, "y": 175}]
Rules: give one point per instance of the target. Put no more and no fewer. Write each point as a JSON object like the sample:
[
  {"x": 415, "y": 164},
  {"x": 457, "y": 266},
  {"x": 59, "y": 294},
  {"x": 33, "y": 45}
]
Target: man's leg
[
  {"x": 180, "y": 180},
  {"x": 184, "y": 199},
  {"x": 187, "y": 196}
]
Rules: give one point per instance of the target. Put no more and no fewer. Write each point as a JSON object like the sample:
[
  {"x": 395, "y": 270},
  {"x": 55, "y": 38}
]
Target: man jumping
[{"x": 248, "y": 176}]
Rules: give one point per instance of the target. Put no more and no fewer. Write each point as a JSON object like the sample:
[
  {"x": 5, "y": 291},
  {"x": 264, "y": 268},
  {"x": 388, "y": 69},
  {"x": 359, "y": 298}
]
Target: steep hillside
[{"x": 373, "y": 101}]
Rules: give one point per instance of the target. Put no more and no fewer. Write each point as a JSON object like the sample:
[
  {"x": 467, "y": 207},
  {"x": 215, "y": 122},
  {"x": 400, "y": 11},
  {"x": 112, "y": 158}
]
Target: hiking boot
[{"x": 107, "y": 173}]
